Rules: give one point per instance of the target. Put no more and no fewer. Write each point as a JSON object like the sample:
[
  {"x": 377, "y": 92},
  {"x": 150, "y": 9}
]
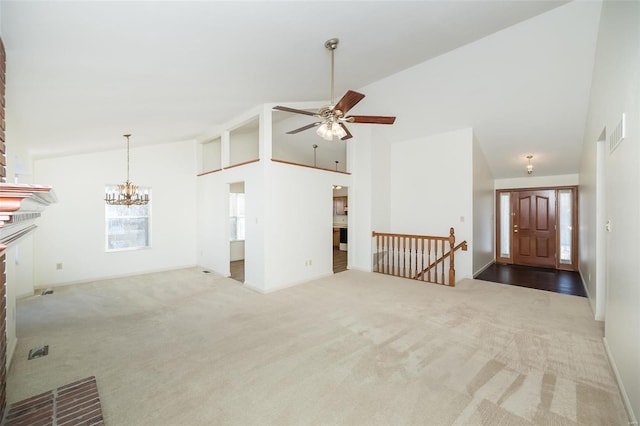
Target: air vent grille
[
  {"x": 617, "y": 135},
  {"x": 39, "y": 352}
]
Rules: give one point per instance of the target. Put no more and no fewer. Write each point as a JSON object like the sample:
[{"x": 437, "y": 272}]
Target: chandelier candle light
[{"x": 127, "y": 193}]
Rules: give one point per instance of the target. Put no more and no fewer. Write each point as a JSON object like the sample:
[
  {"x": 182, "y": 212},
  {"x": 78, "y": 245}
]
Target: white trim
[
  {"x": 10, "y": 352},
  {"x": 475, "y": 274},
  {"x": 283, "y": 286},
  {"x": 36, "y": 290},
  {"x": 253, "y": 288},
  {"x": 623, "y": 392},
  {"x": 589, "y": 298}
]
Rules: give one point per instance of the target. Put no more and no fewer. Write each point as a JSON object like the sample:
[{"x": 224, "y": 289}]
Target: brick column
[{"x": 3, "y": 276}]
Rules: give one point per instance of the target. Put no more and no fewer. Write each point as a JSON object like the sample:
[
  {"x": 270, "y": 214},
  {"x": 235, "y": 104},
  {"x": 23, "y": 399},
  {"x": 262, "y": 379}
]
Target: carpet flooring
[{"x": 355, "y": 348}]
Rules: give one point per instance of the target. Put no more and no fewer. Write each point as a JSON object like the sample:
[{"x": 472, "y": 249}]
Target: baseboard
[
  {"x": 623, "y": 392},
  {"x": 589, "y": 298},
  {"x": 283, "y": 286},
  {"x": 38, "y": 289},
  {"x": 253, "y": 288},
  {"x": 475, "y": 274}
]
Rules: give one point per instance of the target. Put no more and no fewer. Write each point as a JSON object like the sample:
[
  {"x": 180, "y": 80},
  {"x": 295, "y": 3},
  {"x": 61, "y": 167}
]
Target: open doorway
[
  {"x": 340, "y": 231},
  {"x": 236, "y": 230}
]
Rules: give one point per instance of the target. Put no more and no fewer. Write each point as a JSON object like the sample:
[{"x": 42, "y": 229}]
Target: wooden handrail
[
  {"x": 407, "y": 256},
  {"x": 462, "y": 245}
]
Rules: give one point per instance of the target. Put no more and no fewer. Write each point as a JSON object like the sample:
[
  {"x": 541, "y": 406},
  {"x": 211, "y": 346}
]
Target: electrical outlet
[{"x": 59, "y": 266}]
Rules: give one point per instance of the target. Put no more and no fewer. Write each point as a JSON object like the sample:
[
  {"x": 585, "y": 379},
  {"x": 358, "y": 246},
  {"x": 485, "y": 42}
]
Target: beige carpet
[{"x": 187, "y": 348}]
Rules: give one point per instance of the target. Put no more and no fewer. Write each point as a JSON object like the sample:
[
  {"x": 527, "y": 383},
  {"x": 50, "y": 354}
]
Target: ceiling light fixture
[
  {"x": 127, "y": 193},
  {"x": 529, "y": 166}
]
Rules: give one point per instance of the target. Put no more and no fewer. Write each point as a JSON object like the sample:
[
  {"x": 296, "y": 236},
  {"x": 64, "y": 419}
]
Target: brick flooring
[{"x": 77, "y": 403}]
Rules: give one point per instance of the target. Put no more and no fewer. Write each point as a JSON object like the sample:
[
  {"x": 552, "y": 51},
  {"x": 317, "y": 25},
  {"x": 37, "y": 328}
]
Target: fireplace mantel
[{"x": 20, "y": 205}]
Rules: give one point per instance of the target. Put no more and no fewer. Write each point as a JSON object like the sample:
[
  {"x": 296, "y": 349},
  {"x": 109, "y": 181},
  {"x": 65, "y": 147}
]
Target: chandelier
[
  {"x": 529, "y": 166},
  {"x": 127, "y": 193}
]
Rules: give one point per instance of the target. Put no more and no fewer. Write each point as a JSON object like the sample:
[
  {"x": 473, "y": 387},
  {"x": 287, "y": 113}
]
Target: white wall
[
  {"x": 483, "y": 211},
  {"x": 72, "y": 231},
  {"x": 615, "y": 90},
  {"x": 212, "y": 223},
  {"x": 364, "y": 193},
  {"x": 243, "y": 144},
  {"x": 210, "y": 155},
  {"x": 589, "y": 238},
  {"x": 214, "y": 247},
  {"x": 298, "y": 148},
  {"x": 534, "y": 181},
  {"x": 299, "y": 214},
  {"x": 289, "y": 223},
  {"x": 432, "y": 189},
  {"x": 19, "y": 270}
]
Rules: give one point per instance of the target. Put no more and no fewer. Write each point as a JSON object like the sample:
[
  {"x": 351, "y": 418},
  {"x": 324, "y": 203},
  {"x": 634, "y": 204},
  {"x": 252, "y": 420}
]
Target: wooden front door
[{"x": 534, "y": 228}]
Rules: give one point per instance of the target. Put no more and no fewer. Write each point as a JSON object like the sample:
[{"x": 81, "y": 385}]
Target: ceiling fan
[{"x": 334, "y": 116}]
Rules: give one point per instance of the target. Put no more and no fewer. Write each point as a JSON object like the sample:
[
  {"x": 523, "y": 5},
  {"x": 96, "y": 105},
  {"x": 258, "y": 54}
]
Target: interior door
[{"x": 534, "y": 228}]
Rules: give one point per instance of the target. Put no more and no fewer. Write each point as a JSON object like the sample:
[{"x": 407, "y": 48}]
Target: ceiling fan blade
[
  {"x": 296, "y": 111},
  {"x": 371, "y": 119},
  {"x": 303, "y": 128},
  {"x": 348, "y": 135},
  {"x": 348, "y": 101}
]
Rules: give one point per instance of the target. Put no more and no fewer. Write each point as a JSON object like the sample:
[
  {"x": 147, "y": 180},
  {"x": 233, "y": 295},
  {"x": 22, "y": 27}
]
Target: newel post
[{"x": 452, "y": 269}]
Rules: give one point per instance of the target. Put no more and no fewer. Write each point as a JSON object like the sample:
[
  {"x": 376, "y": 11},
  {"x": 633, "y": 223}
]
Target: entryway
[
  {"x": 340, "y": 239},
  {"x": 537, "y": 227},
  {"x": 236, "y": 230},
  {"x": 565, "y": 282}
]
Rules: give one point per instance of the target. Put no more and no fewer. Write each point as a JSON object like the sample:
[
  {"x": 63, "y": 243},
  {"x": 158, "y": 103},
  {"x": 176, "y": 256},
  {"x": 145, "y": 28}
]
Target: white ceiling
[{"x": 82, "y": 73}]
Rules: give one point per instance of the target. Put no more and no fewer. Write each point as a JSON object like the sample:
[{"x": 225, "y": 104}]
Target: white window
[
  {"x": 127, "y": 228},
  {"x": 236, "y": 216},
  {"x": 505, "y": 224},
  {"x": 565, "y": 209}
]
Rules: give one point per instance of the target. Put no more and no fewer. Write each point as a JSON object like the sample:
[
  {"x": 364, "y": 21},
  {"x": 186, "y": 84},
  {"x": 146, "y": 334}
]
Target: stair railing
[{"x": 418, "y": 257}]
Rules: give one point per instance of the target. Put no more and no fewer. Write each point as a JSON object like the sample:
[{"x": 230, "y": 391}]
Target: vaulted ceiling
[{"x": 82, "y": 73}]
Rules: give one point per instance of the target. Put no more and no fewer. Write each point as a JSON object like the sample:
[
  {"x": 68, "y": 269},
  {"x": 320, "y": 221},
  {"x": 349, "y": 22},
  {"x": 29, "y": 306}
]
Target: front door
[{"x": 534, "y": 228}]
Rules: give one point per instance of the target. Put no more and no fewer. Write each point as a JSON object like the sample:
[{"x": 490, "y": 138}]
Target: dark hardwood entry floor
[{"x": 565, "y": 282}]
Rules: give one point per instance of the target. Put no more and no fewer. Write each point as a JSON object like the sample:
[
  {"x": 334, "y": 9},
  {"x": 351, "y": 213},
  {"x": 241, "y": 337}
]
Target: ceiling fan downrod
[{"x": 331, "y": 45}]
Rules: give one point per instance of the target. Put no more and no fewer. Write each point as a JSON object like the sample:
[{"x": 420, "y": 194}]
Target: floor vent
[
  {"x": 45, "y": 292},
  {"x": 206, "y": 272},
  {"x": 39, "y": 352}
]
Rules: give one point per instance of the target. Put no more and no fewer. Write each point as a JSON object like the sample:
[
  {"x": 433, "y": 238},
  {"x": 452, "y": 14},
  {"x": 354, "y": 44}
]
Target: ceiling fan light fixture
[
  {"x": 324, "y": 131},
  {"x": 329, "y": 129},
  {"x": 334, "y": 116}
]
